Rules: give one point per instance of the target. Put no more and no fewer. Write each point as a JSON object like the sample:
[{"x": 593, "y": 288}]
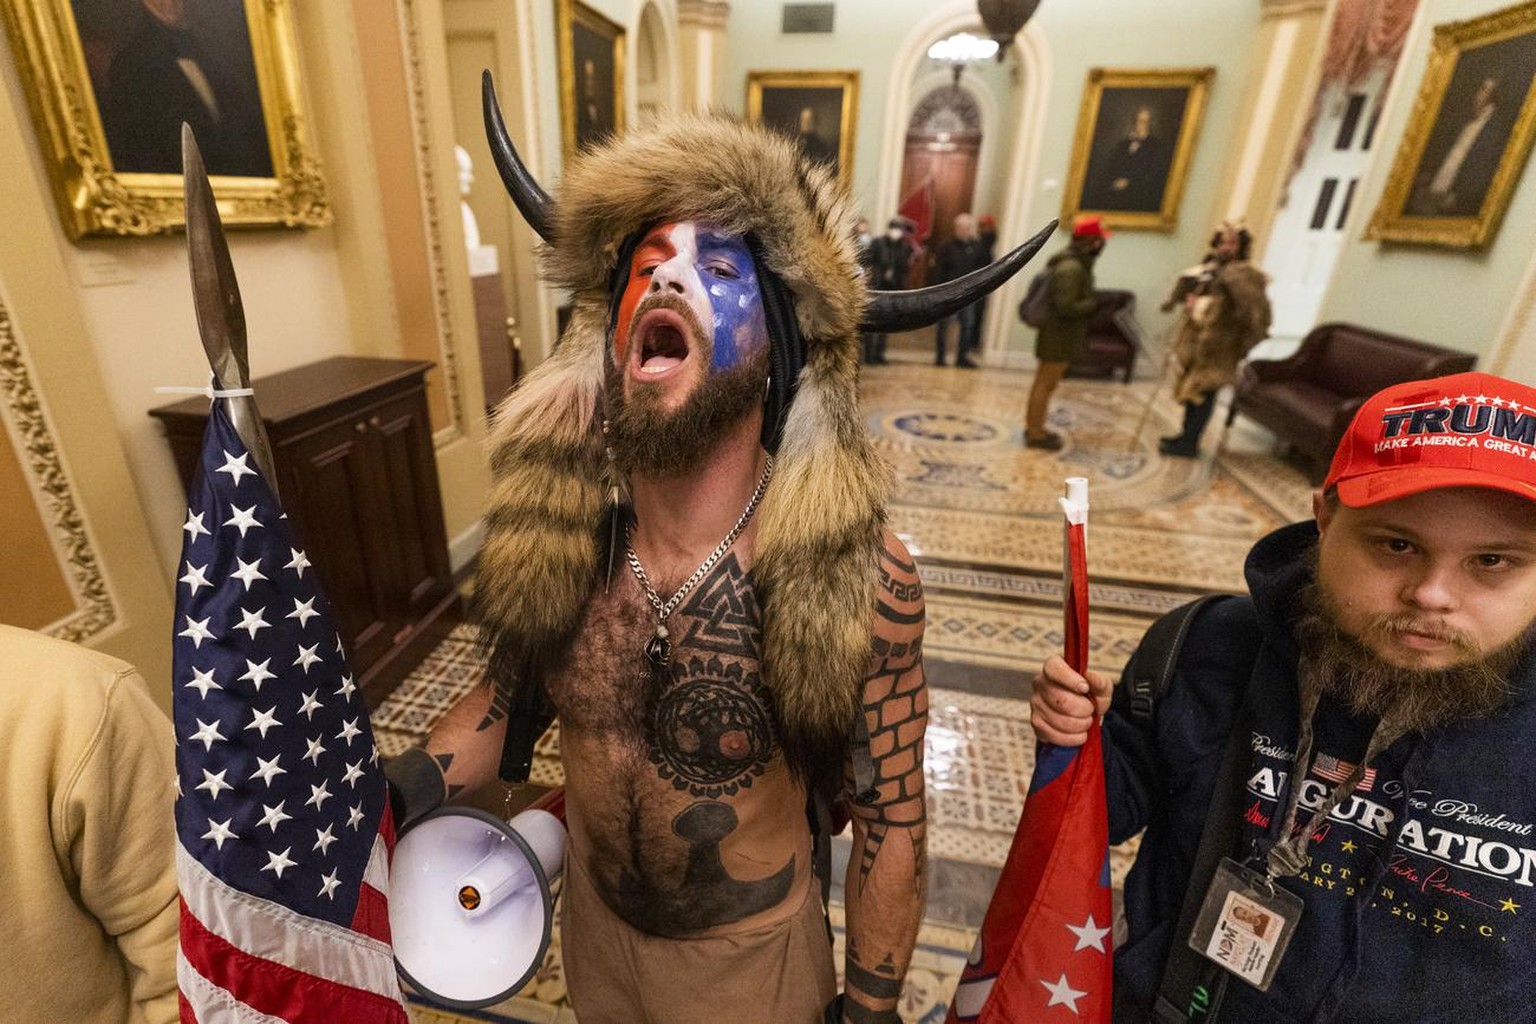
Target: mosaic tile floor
[{"x": 979, "y": 512}]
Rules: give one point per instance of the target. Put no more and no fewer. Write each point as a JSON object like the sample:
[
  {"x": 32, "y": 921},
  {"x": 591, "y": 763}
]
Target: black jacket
[{"x": 1420, "y": 897}]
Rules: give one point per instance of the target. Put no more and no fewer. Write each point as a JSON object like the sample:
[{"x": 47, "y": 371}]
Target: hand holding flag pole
[{"x": 1043, "y": 952}]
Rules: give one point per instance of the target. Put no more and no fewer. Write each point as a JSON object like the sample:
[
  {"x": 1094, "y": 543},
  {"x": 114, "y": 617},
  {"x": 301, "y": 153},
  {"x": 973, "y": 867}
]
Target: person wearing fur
[{"x": 687, "y": 564}]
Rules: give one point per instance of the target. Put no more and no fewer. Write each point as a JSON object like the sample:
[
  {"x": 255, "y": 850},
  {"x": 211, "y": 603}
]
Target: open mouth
[{"x": 660, "y": 341}]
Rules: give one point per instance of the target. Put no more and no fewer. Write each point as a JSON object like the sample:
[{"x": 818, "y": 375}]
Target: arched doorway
[
  {"x": 942, "y": 148},
  {"x": 653, "y": 64}
]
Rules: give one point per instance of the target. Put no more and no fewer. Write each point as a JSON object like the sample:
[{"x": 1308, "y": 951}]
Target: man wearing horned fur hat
[{"x": 732, "y": 641}]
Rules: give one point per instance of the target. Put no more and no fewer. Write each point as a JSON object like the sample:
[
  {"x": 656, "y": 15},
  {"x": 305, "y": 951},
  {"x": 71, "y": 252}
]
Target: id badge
[{"x": 1245, "y": 923}]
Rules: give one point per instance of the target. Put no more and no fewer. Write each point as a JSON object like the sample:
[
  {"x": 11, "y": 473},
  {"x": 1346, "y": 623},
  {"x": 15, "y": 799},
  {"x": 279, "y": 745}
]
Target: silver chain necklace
[{"x": 658, "y": 649}]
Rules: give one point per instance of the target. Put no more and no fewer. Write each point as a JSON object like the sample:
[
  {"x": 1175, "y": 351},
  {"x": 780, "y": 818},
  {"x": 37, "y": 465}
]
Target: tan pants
[
  {"x": 1047, "y": 376},
  {"x": 781, "y": 974}
]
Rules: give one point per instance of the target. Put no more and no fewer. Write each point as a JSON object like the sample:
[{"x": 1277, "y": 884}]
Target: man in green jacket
[{"x": 1071, "y": 304}]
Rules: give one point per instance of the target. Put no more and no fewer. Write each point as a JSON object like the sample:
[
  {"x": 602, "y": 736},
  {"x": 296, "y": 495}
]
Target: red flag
[
  {"x": 1043, "y": 952},
  {"x": 917, "y": 206}
]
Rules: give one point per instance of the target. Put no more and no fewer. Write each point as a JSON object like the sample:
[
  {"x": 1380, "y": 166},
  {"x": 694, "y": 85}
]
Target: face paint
[{"x": 712, "y": 272}]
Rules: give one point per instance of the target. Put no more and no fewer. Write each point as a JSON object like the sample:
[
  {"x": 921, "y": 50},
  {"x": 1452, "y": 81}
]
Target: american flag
[
  {"x": 1044, "y": 951},
  {"x": 1326, "y": 766},
  {"x": 283, "y": 814}
]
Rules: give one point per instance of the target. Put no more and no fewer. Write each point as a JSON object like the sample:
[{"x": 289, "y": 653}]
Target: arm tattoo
[
  {"x": 896, "y": 709},
  {"x": 501, "y": 704}
]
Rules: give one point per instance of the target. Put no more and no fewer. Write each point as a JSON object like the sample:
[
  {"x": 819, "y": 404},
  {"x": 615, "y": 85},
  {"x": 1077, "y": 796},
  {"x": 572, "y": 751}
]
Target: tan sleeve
[{"x": 116, "y": 813}]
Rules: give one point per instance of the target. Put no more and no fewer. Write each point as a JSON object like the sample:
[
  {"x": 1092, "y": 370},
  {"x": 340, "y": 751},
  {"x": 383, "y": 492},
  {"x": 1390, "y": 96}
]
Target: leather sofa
[
  {"x": 1308, "y": 399},
  {"x": 1113, "y": 337}
]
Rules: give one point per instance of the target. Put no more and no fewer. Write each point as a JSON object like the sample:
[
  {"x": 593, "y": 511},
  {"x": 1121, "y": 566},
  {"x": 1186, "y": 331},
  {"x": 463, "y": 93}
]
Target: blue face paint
[{"x": 729, "y": 278}]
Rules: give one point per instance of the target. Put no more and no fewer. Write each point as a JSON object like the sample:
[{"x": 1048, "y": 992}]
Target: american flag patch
[{"x": 1326, "y": 766}]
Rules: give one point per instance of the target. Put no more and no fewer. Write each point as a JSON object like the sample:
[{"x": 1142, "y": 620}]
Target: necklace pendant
[{"x": 658, "y": 649}]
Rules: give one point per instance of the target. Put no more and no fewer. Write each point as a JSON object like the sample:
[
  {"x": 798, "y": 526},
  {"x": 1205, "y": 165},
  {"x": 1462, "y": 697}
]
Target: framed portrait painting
[
  {"x": 591, "y": 75},
  {"x": 110, "y": 83},
  {"x": 1136, "y": 133},
  {"x": 818, "y": 109},
  {"x": 1468, "y": 137}
]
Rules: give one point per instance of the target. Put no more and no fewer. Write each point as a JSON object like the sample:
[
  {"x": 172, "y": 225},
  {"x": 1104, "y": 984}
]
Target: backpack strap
[{"x": 1158, "y": 655}]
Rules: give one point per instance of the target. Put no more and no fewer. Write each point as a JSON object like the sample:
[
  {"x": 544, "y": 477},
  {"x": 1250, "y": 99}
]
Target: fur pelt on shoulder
[{"x": 819, "y": 524}]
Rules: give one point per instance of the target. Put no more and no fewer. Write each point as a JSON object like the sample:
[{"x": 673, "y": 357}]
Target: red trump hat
[
  {"x": 1465, "y": 430},
  {"x": 1090, "y": 226}
]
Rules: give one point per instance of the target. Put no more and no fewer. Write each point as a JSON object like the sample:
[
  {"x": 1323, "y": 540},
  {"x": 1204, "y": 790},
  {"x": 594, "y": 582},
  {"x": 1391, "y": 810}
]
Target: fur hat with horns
[{"x": 820, "y": 520}]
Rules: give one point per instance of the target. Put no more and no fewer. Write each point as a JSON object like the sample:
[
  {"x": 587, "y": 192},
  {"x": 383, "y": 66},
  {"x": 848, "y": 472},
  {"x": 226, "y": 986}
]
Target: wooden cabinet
[{"x": 358, "y": 479}]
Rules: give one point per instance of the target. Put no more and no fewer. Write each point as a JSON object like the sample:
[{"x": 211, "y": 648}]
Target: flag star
[
  {"x": 307, "y": 657},
  {"x": 195, "y": 577},
  {"x": 1062, "y": 994},
  {"x": 314, "y": 751},
  {"x": 241, "y": 518},
  {"x": 355, "y": 817},
  {"x": 265, "y": 769},
  {"x": 236, "y": 467},
  {"x": 252, "y": 621},
  {"x": 323, "y": 840},
  {"x": 194, "y": 525},
  {"x": 207, "y": 732},
  {"x": 338, "y": 643},
  {"x": 353, "y": 773},
  {"x": 248, "y": 573},
  {"x": 213, "y": 783},
  {"x": 197, "y": 632},
  {"x": 374, "y": 757},
  {"x": 276, "y": 862},
  {"x": 349, "y": 729},
  {"x": 1463, "y": 399},
  {"x": 1480, "y": 399},
  {"x": 219, "y": 831},
  {"x": 298, "y": 563},
  {"x": 203, "y": 681},
  {"x": 328, "y": 884},
  {"x": 318, "y": 795},
  {"x": 274, "y": 816},
  {"x": 347, "y": 687},
  {"x": 1445, "y": 402},
  {"x": 310, "y": 705},
  {"x": 263, "y": 720},
  {"x": 303, "y": 611},
  {"x": 1497, "y": 403},
  {"x": 1089, "y": 935},
  {"x": 258, "y": 674}
]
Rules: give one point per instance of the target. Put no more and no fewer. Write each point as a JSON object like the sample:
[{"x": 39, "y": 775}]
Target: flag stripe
[
  {"x": 203, "y": 1002},
  {"x": 269, "y": 987},
  {"x": 272, "y": 932}
]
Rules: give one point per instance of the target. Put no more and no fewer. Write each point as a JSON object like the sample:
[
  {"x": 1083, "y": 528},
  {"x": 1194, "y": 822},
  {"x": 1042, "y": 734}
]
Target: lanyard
[{"x": 1289, "y": 854}]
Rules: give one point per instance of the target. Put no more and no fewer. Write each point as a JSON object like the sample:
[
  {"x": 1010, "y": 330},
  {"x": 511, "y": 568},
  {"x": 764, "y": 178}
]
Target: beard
[
  {"x": 1343, "y": 666},
  {"x": 648, "y": 438}
]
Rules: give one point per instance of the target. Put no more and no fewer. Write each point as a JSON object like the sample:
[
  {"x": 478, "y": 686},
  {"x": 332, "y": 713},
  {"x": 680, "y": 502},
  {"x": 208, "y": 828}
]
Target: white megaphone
[{"x": 470, "y": 910}]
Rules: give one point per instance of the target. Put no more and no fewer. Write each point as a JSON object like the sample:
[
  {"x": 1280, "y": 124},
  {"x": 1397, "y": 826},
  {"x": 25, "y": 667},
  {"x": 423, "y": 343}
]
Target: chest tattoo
[{"x": 710, "y": 730}]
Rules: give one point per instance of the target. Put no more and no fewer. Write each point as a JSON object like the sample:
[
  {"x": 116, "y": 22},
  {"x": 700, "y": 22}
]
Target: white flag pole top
[{"x": 1075, "y": 505}]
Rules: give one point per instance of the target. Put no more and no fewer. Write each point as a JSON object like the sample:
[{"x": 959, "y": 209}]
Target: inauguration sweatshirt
[{"x": 1420, "y": 889}]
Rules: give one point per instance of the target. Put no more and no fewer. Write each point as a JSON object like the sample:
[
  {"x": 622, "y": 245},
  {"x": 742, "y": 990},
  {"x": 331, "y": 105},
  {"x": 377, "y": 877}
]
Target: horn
[
  {"x": 893, "y": 312},
  {"x": 531, "y": 200}
]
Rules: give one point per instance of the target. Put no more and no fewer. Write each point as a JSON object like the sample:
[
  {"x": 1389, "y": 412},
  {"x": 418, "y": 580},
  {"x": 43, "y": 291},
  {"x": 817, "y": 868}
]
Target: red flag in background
[
  {"x": 917, "y": 206},
  {"x": 1043, "y": 952}
]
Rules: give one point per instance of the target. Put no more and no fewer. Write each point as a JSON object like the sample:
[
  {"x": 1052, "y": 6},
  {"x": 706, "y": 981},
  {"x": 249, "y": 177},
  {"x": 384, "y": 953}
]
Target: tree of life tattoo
[{"x": 710, "y": 727}]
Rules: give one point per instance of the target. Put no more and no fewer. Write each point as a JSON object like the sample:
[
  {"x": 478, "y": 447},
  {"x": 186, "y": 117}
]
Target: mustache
[
  {"x": 1385, "y": 626},
  {"x": 700, "y": 341}
]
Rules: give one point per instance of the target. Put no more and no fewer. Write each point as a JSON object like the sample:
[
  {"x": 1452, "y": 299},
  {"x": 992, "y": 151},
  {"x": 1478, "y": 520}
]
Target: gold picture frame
[
  {"x": 1468, "y": 137},
  {"x": 595, "y": 44},
  {"x": 801, "y": 103},
  {"x": 1136, "y": 134},
  {"x": 72, "y": 80}
]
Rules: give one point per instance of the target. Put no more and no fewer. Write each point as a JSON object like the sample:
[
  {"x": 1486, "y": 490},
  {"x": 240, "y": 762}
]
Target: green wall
[
  {"x": 1456, "y": 298},
  {"x": 1079, "y": 34}
]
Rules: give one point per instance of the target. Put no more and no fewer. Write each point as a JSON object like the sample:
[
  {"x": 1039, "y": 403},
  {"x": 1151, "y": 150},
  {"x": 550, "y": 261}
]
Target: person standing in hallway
[
  {"x": 887, "y": 261},
  {"x": 1071, "y": 302},
  {"x": 957, "y": 257},
  {"x": 1225, "y": 316}
]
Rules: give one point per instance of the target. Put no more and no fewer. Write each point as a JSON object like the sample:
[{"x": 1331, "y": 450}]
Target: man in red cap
[
  {"x": 1343, "y": 749},
  {"x": 1069, "y": 305}
]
